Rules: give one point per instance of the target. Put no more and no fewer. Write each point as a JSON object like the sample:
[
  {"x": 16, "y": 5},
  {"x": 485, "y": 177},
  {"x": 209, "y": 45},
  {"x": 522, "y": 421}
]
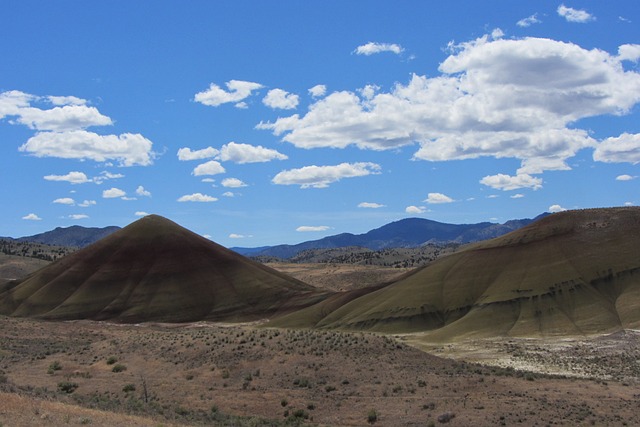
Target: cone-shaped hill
[
  {"x": 156, "y": 270},
  {"x": 571, "y": 273}
]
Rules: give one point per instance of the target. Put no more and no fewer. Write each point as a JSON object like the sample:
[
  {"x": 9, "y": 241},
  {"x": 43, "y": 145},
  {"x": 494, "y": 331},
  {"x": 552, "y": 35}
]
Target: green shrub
[
  {"x": 67, "y": 386},
  {"x": 111, "y": 360},
  {"x": 129, "y": 388},
  {"x": 300, "y": 414},
  {"x": 119, "y": 368},
  {"x": 54, "y": 366},
  {"x": 372, "y": 417}
]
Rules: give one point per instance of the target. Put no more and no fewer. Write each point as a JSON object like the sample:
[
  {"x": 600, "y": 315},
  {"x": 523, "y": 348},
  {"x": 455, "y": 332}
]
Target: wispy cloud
[
  {"x": 372, "y": 48},
  {"x": 528, "y": 21},
  {"x": 370, "y": 205},
  {"x": 238, "y": 90},
  {"x": 312, "y": 228},
  {"x": 575, "y": 15},
  {"x": 197, "y": 197}
]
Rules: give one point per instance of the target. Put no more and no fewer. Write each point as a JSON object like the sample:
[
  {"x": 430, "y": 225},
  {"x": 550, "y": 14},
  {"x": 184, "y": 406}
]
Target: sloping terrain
[
  {"x": 571, "y": 273},
  {"x": 74, "y": 236},
  {"x": 155, "y": 270},
  {"x": 406, "y": 233}
]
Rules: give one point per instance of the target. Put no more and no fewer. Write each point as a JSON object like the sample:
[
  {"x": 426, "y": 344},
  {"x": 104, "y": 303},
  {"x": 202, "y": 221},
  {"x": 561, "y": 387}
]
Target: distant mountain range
[
  {"x": 75, "y": 236},
  {"x": 406, "y": 233}
]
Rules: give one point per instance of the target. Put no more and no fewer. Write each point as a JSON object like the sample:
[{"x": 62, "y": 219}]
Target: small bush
[
  {"x": 284, "y": 402},
  {"x": 181, "y": 411},
  {"x": 111, "y": 360},
  {"x": 300, "y": 414},
  {"x": 53, "y": 367},
  {"x": 67, "y": 386},
  {"x": 301, "y": 382},
  {"x": 129, "y": 388},
  {"x": 372, "y": 417},
  {"x": 119, "y": 368}
]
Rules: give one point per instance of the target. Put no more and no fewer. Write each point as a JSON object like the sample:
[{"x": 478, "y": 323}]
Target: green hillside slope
[{"x": 575, "y": 272}]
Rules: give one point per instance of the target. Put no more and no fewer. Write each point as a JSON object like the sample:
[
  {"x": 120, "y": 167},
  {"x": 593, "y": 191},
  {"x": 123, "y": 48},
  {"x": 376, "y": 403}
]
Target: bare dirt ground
[
  {"x": 102, "y": 374},
  {"x": 339, "y": 277},
  {"x": 609, "y": 357},
  {"x": 76, "y": 373}
]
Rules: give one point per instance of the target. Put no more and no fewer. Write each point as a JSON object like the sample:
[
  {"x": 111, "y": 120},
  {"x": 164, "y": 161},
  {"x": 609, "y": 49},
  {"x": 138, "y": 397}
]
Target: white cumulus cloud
[
  {"x": 65, "y": 201},
  {"x": 625, "y": 177},
  {"x": 575, "y": 15},
  {"x": 113, "y": 193},
  {"x": 373, "y": 48},
  {"x": 622, "y": 149},
  {"x": 233, "y": 183},
  {"x": 311, "y": 228},
  {"x": 66, "y": 100},
  {"x": 141, "y": 213},
  {"x": 506, "y": 182},
  {"x": 495, "y": 97},
  {"x": 238, "y": 90},
  {"x": 185, "y": 153},
  {"x": 322, "y": 176},
  {"x": 415, "y": 209},
  {"x": 87, "y": 203},
  {"x": 246, "y": 153},
  {"x": 32, "y": 217},
  {"x": 68, "y": 113},
  {"x": 105, "y": 176},
  {"x": 318, "y": 91},
  {"x": 438, "y": 198},
  {"x": 127, "y": 149},
  {"x": 211, "y": 167},
  {"x": 73, "y": 177},
  {"x": 556, "y": 208},
  {"x": 140, "y": 191},
  {"x": 197, "y": 197},
  {"x": 278, "y": 98}
]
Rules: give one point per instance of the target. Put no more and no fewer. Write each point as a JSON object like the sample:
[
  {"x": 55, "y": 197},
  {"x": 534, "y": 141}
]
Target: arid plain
[{"x": 86, "y": 372}]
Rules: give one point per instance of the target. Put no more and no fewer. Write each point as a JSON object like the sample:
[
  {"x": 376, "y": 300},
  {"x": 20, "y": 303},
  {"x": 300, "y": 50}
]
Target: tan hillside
[
  {"x": 571, "y": 273},
  {"x": 155, "y": 270}
]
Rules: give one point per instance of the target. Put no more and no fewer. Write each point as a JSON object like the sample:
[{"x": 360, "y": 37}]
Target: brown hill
[
  {"x": 155, "y": 270},
  {"x": 571, "y": 273}
]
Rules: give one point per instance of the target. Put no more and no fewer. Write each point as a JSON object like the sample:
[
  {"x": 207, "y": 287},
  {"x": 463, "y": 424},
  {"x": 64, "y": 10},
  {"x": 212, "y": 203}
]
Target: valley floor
[{"x": 101, "y": 374}]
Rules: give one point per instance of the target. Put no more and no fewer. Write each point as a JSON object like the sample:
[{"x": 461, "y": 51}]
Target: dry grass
[
  {"x": 26, "y": 411},
  {"x": 247, "y": 373},
  {"x": 339, "y": 277}
]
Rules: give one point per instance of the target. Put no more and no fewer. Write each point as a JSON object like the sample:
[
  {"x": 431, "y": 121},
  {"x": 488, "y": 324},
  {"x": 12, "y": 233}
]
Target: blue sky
[{"x": 262, "y": 122}]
